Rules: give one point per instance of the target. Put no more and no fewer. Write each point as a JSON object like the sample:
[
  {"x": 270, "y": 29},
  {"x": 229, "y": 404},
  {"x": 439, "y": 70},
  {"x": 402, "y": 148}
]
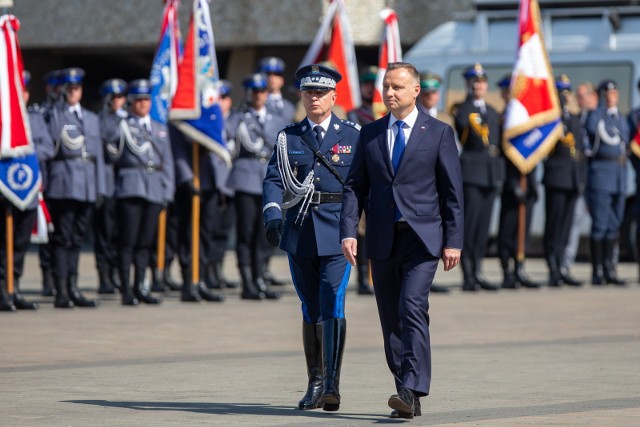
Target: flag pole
[
  {"x": 195, "y": 216},
  {"x": 9, "y": 243},
  {"x": 162, "y": 241},
  {"x": 522, "y": 219}
]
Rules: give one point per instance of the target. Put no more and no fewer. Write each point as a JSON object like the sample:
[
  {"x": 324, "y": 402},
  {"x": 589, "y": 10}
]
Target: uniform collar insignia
[
  {"x": 304, "y": 128},
  {"x": 336, "y": 126}
]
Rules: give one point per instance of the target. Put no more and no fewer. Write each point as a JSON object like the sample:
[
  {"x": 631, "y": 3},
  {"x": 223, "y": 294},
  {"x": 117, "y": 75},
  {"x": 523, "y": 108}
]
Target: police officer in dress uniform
[
  {"x": 565, "y": 175},
  {"x": 316, "y": 151},
  {"x": 634, "y": 145},
  {"x": 273, "y": 67},
  {"x": 182, "y": 150},
  {"x": 255, "y": 138},
  {"x": 53, "y": 86},
  {"x": 512, "y": 196},
  {"x": 113, "y": 93},
  {"x": 225, "y": 212},
  {"x": 144, "y": 184},
  {"x": 608, "y": 136},
  {"x": 22, "y": 220},
  {"x": 76, "y": 182},
  {"x": 478, "y": 127}
]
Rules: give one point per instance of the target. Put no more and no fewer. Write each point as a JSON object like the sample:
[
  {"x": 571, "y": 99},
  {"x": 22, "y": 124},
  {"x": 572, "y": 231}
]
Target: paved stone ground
[{"x": 561, "y": 357}]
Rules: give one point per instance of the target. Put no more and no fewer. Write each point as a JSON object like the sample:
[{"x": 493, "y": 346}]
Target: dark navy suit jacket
[{"x": 427, "y": 188}]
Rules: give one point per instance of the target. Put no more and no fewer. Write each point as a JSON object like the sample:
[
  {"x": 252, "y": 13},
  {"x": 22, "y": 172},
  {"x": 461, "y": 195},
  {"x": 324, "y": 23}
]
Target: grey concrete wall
[{"x": 99, "y": 24}]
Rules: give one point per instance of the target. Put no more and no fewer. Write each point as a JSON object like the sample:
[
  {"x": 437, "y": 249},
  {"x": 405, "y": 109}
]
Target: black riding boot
[
  {"x": 554, "y": 271},
  {"x": 597, "y": 276},
  {"x": 114, "y": 274},
  {"x": 157, "y": 280},
  {"x": 169, "y": 281},
  {"x": 190, "y": 292},
  {"x": 75, "y": 295},
  {"x": 217, "y": 267},
  {"x": 469, "y": 283},
  {"x": 6, "y": 302},
  {"x": 522, "y": 278},
  {"x": 608, "y": 264},
  {"x": 18, "y": 299},
  {"x": 261, "y": 284},
  {"x": 249, "y": 289},
  {"x": 509, "y": 280},
  {"x": 211, "y": 279},
  {"x": 62, "y": 295},
  {"x": 141, "y": 292},
  {"x": 312, "y": 343},
  {"x": 333, "y": 337},
  {"x": 106, "y": 285},
  {"x": 125, "y": 289},
  {"x": 47, "y": 283}
]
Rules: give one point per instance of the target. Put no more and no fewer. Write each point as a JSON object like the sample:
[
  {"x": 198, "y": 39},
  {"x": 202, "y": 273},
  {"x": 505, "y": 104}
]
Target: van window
[{"x": 621, "y": 72}]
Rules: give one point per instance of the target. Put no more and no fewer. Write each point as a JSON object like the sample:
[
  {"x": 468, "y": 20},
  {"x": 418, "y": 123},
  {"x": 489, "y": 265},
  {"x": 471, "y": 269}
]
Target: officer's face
[
  {"x": 429, "y": 98},
  {"x": 141, "y": 106},
  {"x": 318, "y": 103},
  {"x": 225, "y": 104},
  {"x": 275, "y": 82},
  {"x": 479, "y": 88},
  {"x": 258, "y": 98},
  {"x": 399, "y": 90},
  {"x": 366, "y": 91},
  {"x": 74, "y": 94},
  {"x": 117, "y": 102},
  {"x": 611, "y": 97}
]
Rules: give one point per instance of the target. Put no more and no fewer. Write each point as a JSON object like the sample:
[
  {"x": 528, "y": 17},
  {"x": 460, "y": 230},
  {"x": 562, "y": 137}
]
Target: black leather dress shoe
[
  {"x": 417, "y": 411},
  {"x": 439, "y": 289},
  {"x": 404, "y": 403}
]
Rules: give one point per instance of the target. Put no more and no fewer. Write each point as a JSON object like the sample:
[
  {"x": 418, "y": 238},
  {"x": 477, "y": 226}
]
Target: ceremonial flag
[
  {"x": 195, "y": 109},
  {"x": 390, "y": 51},
  {"x": 164, "y": 71},
  {"x": 333, "y": 43},
  {"x": 533, "y": 117},
  {"x": 19, "y": 170},
  {"x": 43, "y": 224}
]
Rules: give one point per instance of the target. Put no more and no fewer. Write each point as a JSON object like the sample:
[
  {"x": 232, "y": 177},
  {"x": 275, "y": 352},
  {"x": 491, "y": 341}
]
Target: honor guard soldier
[
  {"x": 478, "y": 128},
  {"x": 273, "y": 68},
  {"x": 52, "y": 80},
  {"x": 430, "y": 84},
  {"x": 309, "y": 167},
  {"x": 76, "y": 182},
  {"x": 512, "y": 196},
  {"x": 225, "y": 213},
  {"x": 565, "y": 176},
  {"x": 144, "y": 184},
  {"x": 364, "y": 113},
  {"x": 23, "y": 220},
  {"x": 608, "y": 136},
  {"x": 634, "y": 145},
  {"x": 113, "y": 93},
  {"x": 255, "y": 138}
]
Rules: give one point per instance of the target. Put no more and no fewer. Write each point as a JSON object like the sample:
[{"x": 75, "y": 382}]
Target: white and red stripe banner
[
  {"x": 390, "y": 51},
  {"x": 533, "y": 117},
  {"x": 19, "y": 171},
  {"x": 333, "y": 43}
]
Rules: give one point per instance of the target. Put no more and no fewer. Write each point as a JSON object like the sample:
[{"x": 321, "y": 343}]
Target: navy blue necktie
[
  {"x": 318, "y": 130},
  {"x": 396, "y": 157},
  {"x": 398, "y": 147}
]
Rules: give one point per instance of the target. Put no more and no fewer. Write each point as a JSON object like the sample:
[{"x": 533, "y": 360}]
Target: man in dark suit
[{"x": 415, "y": 216}]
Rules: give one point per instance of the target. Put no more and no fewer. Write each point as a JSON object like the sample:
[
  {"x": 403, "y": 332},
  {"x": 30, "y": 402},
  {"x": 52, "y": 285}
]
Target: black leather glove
[{"x": 274, "y": 232}]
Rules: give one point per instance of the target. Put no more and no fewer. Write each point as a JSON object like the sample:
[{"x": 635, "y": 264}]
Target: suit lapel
[
  {"x": 416, "y": 137},
  {"x": 382, "y": 144}
]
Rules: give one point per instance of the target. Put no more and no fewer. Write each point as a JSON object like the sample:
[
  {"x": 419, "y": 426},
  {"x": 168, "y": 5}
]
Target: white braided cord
[{"x": 299, "y": 191}]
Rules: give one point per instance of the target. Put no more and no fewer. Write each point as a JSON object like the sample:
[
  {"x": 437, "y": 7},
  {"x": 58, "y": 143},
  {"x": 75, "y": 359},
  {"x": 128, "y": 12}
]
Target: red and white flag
[
  {"x": 19, "y": 170},
  {"x": 333, "y": 43},
  {"x": 390, "y": 51},
  {"x": 532, "y": 123}
]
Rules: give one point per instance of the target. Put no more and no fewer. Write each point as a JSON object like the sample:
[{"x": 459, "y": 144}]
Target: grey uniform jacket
[
  {"x": 143, "y": 162},
  {"x": 250, "y": 165},
  {"x": 42, "y": 142},
  {"x": 109, "y": 132},
  {"x": 76, "y": 171}
]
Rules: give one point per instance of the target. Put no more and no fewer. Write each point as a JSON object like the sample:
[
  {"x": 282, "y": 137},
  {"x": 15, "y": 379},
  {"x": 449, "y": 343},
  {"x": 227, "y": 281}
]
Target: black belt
[
  {"x": 319, "y": 197},
  {"x": 621, "y": 158},
  {"x": 84, "y": 156},
  {"x": 401, "y": 226},
  {"x": 148, "y": 168}
]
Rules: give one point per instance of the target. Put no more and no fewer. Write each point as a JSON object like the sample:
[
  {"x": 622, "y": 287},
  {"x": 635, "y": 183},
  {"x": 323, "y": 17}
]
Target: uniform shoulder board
[
  {"x": 354, "y": 125},
  {"x": 290, "y": 125},
  {"x": 35, "y": 108}
]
